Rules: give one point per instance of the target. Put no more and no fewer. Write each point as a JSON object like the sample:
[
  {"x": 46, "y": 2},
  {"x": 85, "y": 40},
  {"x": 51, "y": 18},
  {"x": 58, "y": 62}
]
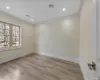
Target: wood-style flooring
[{"x": 38, "y": 67}]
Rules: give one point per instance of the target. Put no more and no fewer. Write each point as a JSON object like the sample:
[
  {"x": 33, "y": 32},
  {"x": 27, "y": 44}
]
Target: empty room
[{"x": 49, "y": 40}]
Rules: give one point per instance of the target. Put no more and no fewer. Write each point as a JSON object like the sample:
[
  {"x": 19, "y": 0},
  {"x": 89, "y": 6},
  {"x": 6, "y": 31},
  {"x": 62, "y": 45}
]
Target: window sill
[{"x": 8, "y": 49}]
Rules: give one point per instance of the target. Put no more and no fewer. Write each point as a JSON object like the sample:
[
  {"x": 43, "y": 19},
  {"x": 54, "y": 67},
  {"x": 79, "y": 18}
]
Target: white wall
[
  {"x": 27, "y": 34},
  {"x": 98, "y": 24},
  {"x": 87, "y": 40},
  {"x": 59, "y": 38}
]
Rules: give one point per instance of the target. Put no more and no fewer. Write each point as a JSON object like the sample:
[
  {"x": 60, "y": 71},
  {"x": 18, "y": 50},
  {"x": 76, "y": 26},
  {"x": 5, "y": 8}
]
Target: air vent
[
  {"x": 28, "y": 15},
  {"x": 51, "y": 6}
]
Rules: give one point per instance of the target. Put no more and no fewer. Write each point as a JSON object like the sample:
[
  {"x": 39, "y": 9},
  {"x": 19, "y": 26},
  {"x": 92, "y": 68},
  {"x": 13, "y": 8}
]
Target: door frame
[{"x": 97, "y": 36}]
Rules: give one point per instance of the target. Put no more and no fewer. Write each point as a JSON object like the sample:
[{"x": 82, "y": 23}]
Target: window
[{"x": 9, "y": 35}]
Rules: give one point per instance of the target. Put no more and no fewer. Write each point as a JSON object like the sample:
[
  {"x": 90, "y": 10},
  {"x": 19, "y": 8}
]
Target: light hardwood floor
[{"x": 38, "y": 67}]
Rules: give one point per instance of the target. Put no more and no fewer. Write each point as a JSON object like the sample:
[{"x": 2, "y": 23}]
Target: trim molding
[
  {"x": 15, "y": 56},
  {"x": 11, "y": 57},
  {"x": 85, "y": 78},
  {"x": 59, "y": 57}
]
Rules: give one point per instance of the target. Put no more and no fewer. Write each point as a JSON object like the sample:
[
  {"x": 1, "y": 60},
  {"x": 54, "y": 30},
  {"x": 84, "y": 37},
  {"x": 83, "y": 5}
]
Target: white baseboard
[
  {"x": 11, "y": 57},
  {"x": 85, "y": 78},
  {"x": 15, "y": 56},
  {"x": 60, "y": 57}
]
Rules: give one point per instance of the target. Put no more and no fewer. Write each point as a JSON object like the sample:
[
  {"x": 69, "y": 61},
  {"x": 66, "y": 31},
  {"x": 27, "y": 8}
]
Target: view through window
[{"x": 9, "y": 35}]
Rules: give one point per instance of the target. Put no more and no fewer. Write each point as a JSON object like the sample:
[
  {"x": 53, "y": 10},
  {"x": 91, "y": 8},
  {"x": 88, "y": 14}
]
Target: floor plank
[{"x": 38, "y": 67}]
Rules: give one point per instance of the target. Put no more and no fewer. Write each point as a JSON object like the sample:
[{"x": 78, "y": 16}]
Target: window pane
[
  {"x": 4, "y": 35},
  {"x": 9, "y": 35},
  {"x": 16, "y": 36}
]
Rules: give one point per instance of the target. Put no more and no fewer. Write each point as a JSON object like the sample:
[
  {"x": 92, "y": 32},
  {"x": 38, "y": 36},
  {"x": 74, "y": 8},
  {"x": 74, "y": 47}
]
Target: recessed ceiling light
[
  {"x": 7, "y": 7},
  {"x": 64, "y": 9},
  {"x": 32, "y": 20}
]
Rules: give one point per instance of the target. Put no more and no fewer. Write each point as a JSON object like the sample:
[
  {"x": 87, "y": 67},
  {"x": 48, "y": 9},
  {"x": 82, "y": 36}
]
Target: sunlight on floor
[{"x": 15, "y": 75}]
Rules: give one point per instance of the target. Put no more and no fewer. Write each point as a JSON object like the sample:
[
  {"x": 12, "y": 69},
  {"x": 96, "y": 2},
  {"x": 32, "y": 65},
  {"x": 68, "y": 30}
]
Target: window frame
[{"x": 11, "y": 37}]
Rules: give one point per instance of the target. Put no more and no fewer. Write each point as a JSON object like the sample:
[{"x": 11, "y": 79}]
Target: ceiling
[{"x": 39, "y": 10}]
